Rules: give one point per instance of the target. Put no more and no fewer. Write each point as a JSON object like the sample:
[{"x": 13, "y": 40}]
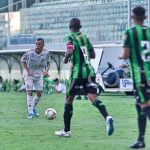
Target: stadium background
[{"x": 22, "y": 21}]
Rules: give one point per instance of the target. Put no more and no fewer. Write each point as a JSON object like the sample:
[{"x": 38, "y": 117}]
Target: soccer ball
[{"x": 50, "y": 113}]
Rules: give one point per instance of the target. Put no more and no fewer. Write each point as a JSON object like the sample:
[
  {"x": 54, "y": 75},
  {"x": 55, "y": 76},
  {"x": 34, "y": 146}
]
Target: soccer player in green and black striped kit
[
  {"x": 79, "y": 52},
  {"x": 137, "y": 48}
]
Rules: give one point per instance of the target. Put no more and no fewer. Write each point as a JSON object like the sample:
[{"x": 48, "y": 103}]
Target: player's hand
[
  {"x": 64, "y": 60},
  {"x": 30, "y": 72},
  {"x": 45, "y": 73}
]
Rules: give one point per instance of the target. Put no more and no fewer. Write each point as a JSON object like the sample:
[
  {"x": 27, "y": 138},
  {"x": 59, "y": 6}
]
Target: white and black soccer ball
[{"x": 50, "y": 113}]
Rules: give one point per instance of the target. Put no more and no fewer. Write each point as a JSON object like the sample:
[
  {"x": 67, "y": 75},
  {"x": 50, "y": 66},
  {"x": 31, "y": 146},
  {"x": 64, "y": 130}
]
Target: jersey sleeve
[
  {"x": 48, "y": 58},
  {"x": 126, "y": 40},
  {"x": 69, "y": 43},
  {"x": 69, "y": 46},
  {"x": 24, "y": 58}
]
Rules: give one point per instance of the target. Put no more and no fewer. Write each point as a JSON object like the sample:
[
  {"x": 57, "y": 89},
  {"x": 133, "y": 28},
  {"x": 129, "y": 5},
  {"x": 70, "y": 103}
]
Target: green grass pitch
[{"x": 88, "y": 126}]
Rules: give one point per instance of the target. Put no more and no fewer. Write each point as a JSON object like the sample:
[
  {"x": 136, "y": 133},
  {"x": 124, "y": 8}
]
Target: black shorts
[
  {"x": 142, "y": 92},
  {"x": 77, "y": 84}
]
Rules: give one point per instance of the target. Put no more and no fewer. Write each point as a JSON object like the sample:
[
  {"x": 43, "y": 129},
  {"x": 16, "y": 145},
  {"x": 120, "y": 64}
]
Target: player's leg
[
  {"x": 92, "y": 95},
  {"x": 68, "y": 110},
  {"x": 144, "y": 97},
  {"x": 38, "y": 85},
  {"x": 141, "y": 121},
  {"x": 146, "y": 109},
  {"x": 30, "y": 103}
]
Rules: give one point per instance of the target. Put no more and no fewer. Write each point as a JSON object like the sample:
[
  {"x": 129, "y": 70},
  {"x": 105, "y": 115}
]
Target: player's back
[
  {"x": 81, "y": 55},
  {"x": 139, "y": 37}
]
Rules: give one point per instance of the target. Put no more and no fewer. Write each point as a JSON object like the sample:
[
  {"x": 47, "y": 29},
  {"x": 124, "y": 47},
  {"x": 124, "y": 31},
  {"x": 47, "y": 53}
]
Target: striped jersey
[
  {"x": 81, "y": 55},
  {"x": 137, "y": 39}
]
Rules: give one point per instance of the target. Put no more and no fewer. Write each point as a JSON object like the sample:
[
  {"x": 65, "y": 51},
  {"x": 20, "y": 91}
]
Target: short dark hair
[
  {"x": 75, "y": 23},
  {"x": 139, "y": 13},
  {"x": 40, "y": 39},
  {"x": 55, "y": 80}
]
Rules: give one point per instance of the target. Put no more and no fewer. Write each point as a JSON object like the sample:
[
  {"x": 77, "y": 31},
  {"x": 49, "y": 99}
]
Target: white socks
[
  {"x": 36, "y": 100},
  {"x": 30, "y": 104}
]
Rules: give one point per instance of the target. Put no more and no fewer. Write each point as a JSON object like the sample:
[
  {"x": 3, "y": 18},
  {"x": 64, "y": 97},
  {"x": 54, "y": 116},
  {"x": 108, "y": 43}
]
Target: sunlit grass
[{"x": 88, "y": 126}]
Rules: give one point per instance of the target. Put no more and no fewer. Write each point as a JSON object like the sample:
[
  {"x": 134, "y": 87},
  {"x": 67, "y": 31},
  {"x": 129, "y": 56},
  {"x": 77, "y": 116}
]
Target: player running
[{"x": 80, "y": 51}]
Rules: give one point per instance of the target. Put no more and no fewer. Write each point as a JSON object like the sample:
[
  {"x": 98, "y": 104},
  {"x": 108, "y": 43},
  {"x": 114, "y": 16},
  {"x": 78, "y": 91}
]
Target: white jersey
[{"x": 36, "y": 62}]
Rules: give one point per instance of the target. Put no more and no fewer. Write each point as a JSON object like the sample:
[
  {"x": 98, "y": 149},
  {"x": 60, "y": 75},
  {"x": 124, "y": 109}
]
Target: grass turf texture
[{"x": 88, "y": 126}]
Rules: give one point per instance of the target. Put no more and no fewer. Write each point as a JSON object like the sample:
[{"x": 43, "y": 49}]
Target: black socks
[
  {"x": 68, "y": 111},
  {"x": 141, "y": 123},
  {"x": 101, "y": 107}
]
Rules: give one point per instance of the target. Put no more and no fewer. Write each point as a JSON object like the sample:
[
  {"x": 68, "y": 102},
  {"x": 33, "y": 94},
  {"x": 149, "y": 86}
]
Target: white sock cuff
[
  {"x": 37, "y": 98},
  {"x": 29, "y": 97}
]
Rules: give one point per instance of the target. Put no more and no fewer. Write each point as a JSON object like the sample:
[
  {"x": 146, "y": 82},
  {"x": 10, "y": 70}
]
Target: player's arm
[
  {"x": 92, "y": 54},
  {"x": 125, "y": 54},
  {"x": 46, "y": 69},
  {"x": 26, "y": 67},
  {"x": 48, "y": 59},
  {"x": 91, "y": 50},
  {"x": 48, "y": 66},
  {"x": 69, "y": 51},
  {"x": 23, "y": 60}
]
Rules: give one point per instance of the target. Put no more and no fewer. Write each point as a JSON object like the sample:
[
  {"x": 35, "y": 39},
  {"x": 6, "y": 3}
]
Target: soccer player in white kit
[{"x": 36, "y": 64}]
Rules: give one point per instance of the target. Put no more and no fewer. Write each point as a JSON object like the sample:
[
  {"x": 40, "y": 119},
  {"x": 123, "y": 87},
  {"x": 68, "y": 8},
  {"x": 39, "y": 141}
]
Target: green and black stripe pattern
[
  {"x": 137, "y": 39},
  {"x": 81, "y": 69}
]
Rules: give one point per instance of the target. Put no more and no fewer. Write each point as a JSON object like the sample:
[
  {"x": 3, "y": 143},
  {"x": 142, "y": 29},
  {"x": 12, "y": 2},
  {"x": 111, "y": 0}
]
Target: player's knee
[
  {"x": 69, "y": 99},
  {"x": 39, "y": 93},
  {"x": 94, "y": 88},
  {"x": 29, "y": 93},
  {"x": 92, "y": 97}
]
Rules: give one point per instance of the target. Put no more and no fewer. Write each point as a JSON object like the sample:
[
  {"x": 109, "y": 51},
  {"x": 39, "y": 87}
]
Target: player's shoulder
[
  {"x": 30, "y": 51},
  {"x": 127, "y": 30},
  {"x": 83, "y": 34},
  {"x": 45, "y": 51},
  {"x": 69, "y": 36}
]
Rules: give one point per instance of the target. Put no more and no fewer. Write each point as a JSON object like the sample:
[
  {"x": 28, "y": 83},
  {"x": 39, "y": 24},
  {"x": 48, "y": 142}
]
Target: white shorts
[{"x": 34, "y": 83}]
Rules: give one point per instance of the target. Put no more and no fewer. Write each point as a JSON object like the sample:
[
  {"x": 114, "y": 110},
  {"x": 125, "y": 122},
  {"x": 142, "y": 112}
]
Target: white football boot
[
  {"x": 109, "y": 125},
  {"x": 62, "y": 133}
]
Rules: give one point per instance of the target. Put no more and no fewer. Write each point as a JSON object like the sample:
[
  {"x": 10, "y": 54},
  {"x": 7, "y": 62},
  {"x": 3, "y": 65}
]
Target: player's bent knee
[
  {"x": 29, "y": 93},
  {"x": 39, "y": 93}
]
